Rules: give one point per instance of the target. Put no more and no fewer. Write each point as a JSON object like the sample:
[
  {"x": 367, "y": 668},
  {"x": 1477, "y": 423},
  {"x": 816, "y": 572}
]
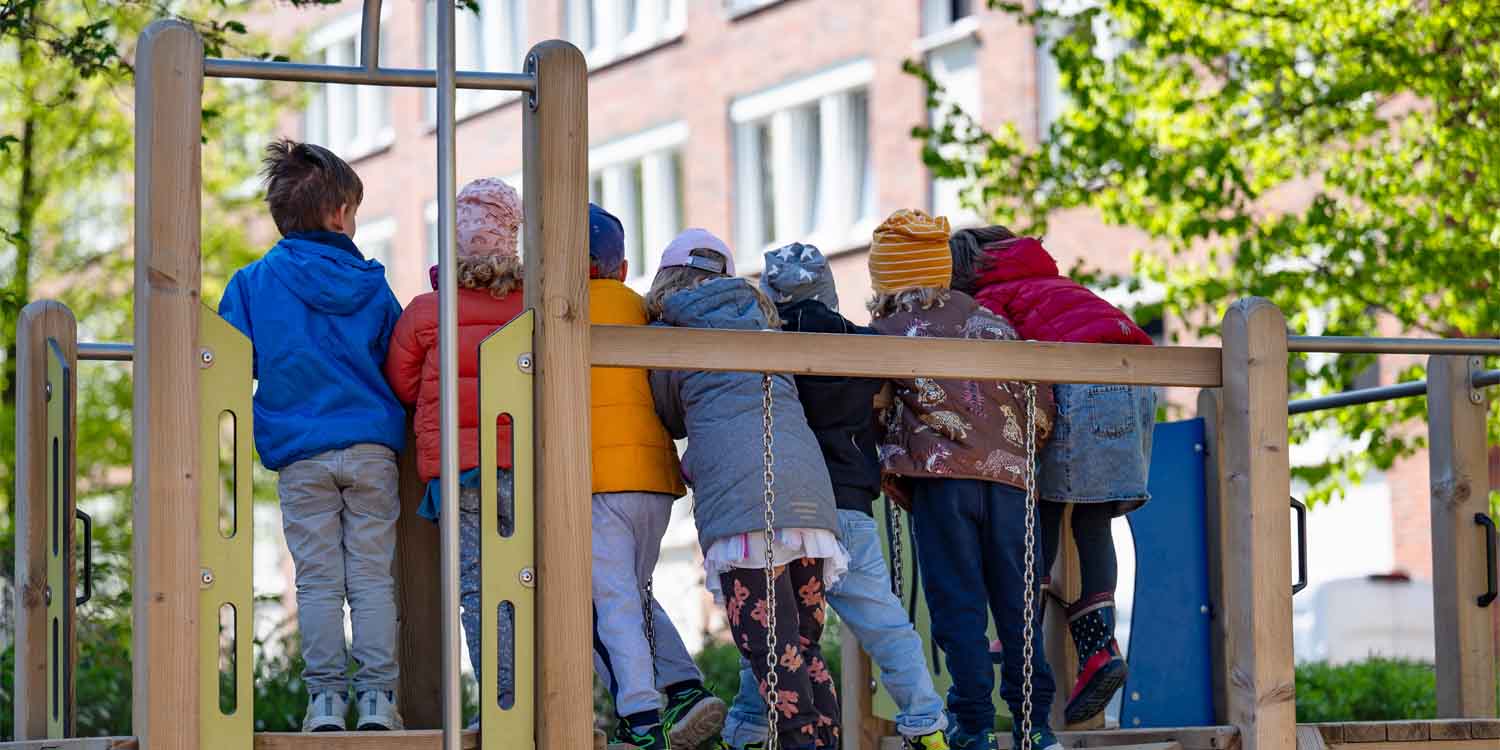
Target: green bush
[{"x": 1373, "y": 690}]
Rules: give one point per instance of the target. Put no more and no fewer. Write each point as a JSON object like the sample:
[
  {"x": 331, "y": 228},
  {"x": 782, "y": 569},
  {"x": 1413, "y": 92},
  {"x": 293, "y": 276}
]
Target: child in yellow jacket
[{"x": 636, "y": 480}]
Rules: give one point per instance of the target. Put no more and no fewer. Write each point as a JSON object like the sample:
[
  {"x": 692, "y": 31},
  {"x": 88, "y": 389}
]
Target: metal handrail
[
  {"x": 272, "y": 70},
  {"x": 1482, "y": 379},
  {"x": 99, "y": 351},
  {"x": 1387, "y": 345},
  {"x": 369, "y": 37}
]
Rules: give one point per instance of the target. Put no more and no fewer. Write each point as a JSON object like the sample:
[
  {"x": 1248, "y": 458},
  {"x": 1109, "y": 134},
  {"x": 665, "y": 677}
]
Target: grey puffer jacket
[{"x": 720, "y": 415}]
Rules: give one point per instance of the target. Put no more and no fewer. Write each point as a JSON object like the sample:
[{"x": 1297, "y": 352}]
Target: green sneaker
[
  {"x": 652, "y": 738},
  {"x": 935, "y": 741},
  {"x": 693, "y": 716}
]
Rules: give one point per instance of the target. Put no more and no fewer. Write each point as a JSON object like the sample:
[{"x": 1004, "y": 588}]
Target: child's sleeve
[
  {"x": 234, "y": 308},
  {"x": 403, "y": 361},
  {"x": 668, "y": 406}
]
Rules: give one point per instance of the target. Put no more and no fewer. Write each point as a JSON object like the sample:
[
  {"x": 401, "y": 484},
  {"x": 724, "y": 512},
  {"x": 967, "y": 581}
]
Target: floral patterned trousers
[{"x": 807, "y": 705}]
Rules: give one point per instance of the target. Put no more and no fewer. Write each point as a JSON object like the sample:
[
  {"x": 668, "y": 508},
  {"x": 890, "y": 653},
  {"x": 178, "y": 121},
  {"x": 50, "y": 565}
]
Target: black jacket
[{"x": 839, "y": 411}]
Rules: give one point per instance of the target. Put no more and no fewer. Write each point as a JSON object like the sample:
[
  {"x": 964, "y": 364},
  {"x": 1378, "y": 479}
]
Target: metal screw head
[
  {"x": 1203, "y": 609},
  {"x": 1475, "y": 397},
  {"x": 48, "y": 389},
  {"x": 530, "y": 70},
  {"x": 1197, "y": 447},
  {"x": 528, "y": 577},
  {"x": 206, "y": 357},
  {"x": 47, "y": 595},
  {"x": 1135, "y": 695},
  {"x": 207, "y": 577},
  {"x": 524, "y": 363}
]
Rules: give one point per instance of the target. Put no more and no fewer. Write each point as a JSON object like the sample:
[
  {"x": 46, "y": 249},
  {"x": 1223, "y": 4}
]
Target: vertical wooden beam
[
  {"x": 1216, "y": 533},
  {"x": 40, "y": 321},
  {"x": 862, "y": 729},
  {"x": 1459, "y": 473},
  {"x": 555, "y": 141},
  {"x": 168, "y": 164},
  {"x": 418, "y": 601},
  {"x": 1256, "y": 482}
]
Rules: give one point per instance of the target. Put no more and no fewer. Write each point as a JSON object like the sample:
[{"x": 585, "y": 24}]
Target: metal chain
[
  {"x": 649, "y": 604},
  {"x": 768, "y": 461},
  {"x": 1028, "y": 633},
  {"x": 893, "y": 535}
]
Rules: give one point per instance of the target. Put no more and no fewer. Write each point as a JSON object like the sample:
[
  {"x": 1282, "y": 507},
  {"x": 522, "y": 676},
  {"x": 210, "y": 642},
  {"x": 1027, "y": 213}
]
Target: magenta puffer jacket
[{"x": 1022, "y": 283}]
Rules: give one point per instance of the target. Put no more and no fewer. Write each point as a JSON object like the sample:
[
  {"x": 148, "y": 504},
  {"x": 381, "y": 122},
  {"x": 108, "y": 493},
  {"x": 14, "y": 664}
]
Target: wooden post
[
  {"x": 1256, "y": 485},
  {"x": 1215, "y": 532},
  {"x": 39, "y": 322},
  {"x": 1459, "y": 472},
  {"x": 418, "y": 601},
  {"x": 862, "y": 729},
  {"x": 168, "y": 164},
  {"x": 555, "y": 141}
]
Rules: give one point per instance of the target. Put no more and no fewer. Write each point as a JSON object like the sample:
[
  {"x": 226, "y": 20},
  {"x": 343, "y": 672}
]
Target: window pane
[
  {"x": 680, "y": 188},
  {"x": 596, "y": 189},
  {"x": 767, "y": 191},
  {"x": 859, "y": 121},
  {"x": 632, "y": 21},
  {"x": 812, "y": 156},
  {"x": 637, "y": 226}
]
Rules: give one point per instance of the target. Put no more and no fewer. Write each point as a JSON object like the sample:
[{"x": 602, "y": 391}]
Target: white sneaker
[
  {"x": 377, "y": 711},
  {"x": 325, "y": 712}
]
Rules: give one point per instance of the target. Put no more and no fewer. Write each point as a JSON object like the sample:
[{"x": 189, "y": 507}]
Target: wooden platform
[
  {"x": 1441, "y": 734},
  {"x": 416, "y": 739}
]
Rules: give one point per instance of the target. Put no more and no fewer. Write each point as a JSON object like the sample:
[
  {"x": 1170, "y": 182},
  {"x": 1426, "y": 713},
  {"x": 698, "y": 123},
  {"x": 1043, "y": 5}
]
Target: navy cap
[{"x": 606, "y": 239}]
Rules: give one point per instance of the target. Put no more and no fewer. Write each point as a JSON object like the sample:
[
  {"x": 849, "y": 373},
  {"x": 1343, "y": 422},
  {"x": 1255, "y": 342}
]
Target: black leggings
[{"x": 1096, "y": 544}]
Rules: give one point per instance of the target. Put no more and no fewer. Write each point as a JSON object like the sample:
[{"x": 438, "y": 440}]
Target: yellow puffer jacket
[{"x": 632, "y": 451}]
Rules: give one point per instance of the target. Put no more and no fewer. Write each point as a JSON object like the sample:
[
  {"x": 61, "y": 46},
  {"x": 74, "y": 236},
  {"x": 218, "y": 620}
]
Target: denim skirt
[{"x": 1100, "y": 450}]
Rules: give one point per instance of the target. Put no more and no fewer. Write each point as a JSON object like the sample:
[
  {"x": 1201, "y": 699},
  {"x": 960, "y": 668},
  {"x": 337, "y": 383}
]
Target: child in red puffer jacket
[
  {"x": 489, "y": 296},
  {"x": 1100, "y": 452}
]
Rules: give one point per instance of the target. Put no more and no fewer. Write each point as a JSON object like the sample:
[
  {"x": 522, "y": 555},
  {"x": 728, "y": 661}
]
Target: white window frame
[
  {"x": 366, "y": 102},
  {"x": 832, "y": 227},
  {"x": 611, "y": 40},
  {"x": 746, "y": 7},
  {"x": 381, "y": 231},
  {"x": 1051, "y": 99},
  {"x": 946, "y": 196},
  {"x": 497, "y": 19},
  {"x": 653, "y": 151},
  {"x": 937, "y": 16}
]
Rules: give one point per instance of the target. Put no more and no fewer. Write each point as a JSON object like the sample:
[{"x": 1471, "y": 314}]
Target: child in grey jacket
[{"x": 720, "y": 414}]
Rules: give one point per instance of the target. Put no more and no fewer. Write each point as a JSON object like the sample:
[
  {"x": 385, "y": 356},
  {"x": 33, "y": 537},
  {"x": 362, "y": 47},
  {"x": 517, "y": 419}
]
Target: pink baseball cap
[{"x": 699, "y": 248}]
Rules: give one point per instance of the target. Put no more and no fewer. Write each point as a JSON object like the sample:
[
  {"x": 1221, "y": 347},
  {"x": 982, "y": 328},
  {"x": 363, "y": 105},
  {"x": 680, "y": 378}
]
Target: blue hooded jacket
[{"x": 319, "y": 316}]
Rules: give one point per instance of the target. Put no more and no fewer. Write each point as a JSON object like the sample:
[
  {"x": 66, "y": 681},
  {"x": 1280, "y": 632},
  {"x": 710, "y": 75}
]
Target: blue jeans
[
  {"x": 970, "y": 539},
  {"x": 864, "y": 602}
]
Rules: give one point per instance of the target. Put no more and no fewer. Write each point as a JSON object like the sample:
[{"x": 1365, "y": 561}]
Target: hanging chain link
[
  {"x": 893, "y": 535},
  {"x": 649, "y": 605},
  {"x": 769, "y": 460},
  {"x": 1028, "y": 633}
]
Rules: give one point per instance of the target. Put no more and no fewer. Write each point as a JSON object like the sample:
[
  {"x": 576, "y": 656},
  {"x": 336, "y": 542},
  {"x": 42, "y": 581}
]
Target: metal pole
[
  {"x": 448, "y": 377},
  {"x": 1383, "y": 393},
  {"x": 270, "y": 70},
  {"x": 1380, "y": 345},
  {"x": 100, "y": 351},
  {"x": 369, "y": 36}
]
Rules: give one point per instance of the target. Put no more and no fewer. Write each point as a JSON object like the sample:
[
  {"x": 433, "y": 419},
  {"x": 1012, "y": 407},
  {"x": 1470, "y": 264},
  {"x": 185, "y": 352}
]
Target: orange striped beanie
[{"x": 910, "y": 251}]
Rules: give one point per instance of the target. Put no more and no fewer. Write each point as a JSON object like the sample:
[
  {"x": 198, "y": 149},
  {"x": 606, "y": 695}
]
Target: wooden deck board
[{"x": 414, "y": 739}]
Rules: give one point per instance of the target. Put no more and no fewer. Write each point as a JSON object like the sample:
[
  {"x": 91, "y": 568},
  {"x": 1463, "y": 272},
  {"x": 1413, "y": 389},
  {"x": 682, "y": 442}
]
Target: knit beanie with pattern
[
  {"x": 910, "y": 251},
  {"x": 488, "y": 218},
  {"x": 798, "y": 272}
]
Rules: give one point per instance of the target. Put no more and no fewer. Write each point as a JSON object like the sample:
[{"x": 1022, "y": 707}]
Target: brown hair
[
  {"x": 970, "y": 260},
  {"x": 674, "y": 279},
  {"x": 907, "y": 300},
  {"x": 499, "y": 274},
  {"x": 305, "y": 183}
]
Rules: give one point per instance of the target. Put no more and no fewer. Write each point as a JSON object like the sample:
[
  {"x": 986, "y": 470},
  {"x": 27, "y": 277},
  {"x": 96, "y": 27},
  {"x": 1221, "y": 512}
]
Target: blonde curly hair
[
  {"x": 674, "y": 279},
  {"x": 907, "y": 300},
  {"x": 498, "y": 274}
]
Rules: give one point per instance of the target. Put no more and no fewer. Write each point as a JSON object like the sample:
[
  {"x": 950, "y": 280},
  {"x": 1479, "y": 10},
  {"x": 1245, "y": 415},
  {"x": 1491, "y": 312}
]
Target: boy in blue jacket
[{"x": 319, "y": 315}]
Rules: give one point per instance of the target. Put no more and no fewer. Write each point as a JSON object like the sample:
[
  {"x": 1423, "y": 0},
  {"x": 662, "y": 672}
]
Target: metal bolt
[
  {"x": 524, "y": 362},
  {"x": 1135, "y": 695},
  {"x": 1136, "y": 721},
  {"x": 47, "y": 595},
  {"x": 528, "y": 577},
  {"x": 49, "y": 390},
  {"x": 1203, "y": 609},
  {"x": 1197, "y": 447},
  {"x": 208, "y": 577},
  {"x": 873, "y": 686},
  {"x": 206, "y": 357}
]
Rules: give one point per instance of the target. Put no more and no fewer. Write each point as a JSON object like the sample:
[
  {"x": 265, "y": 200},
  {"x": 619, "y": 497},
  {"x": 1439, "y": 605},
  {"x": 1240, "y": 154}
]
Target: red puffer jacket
[
  {"x": 1022, "y": 284},
  {"x": 412, "y": 369}
]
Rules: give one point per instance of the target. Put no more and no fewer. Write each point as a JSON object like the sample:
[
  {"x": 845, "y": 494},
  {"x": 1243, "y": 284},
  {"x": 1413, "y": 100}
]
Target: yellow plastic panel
[
  {"x": 224, "y": 375},
  {"x": 508, "y": 563},
  {"x": 59, "y": 534}
]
